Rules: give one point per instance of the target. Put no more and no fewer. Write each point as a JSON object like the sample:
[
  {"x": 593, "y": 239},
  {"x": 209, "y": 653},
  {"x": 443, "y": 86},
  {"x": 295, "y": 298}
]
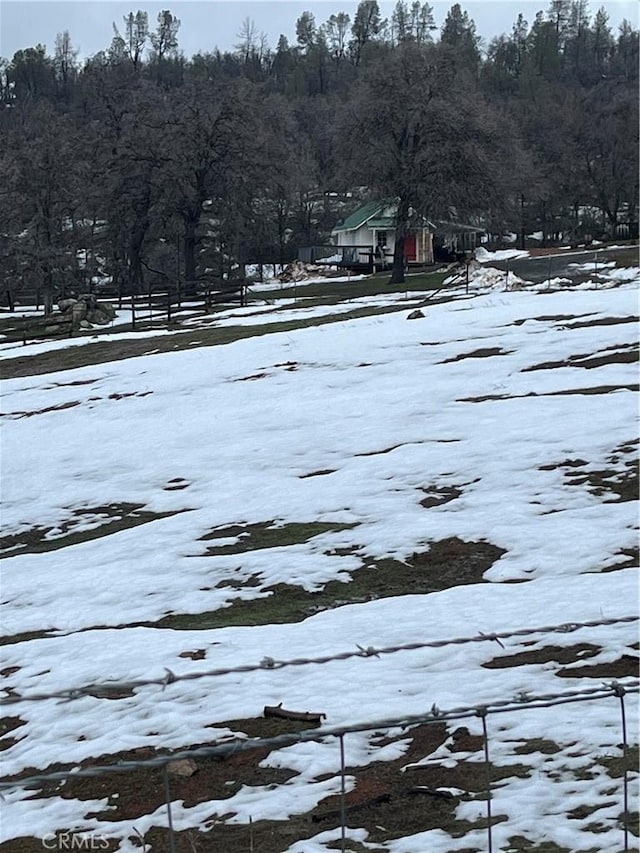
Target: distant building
[{"x": 373, "y": 227}]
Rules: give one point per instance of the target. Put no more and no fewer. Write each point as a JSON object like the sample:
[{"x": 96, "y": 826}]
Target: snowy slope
[{"x": 347, "y": 424}]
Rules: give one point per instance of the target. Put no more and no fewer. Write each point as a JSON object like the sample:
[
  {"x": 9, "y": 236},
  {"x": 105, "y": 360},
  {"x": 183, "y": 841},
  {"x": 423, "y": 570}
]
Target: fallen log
[{"x": 279, "y": 711}]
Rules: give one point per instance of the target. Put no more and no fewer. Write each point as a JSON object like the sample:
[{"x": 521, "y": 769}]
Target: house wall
[
  {"x": 424, "y": 247},
  {"x": 365, "y": 236},
  {"x": 361, "y": 237}
]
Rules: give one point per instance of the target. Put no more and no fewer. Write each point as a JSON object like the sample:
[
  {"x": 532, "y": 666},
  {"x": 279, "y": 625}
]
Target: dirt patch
[
  {"x": 627, "y": 665},
  {"x": 602, "y": 321},
  {"x": 596, "y": 389},
  {"x": 487, "y": 352},
  {"x": 321, "y": 473},
  {"x": 542, "y": 745},
  {"x": 252, "y": 378},
  {"x": 547, "y": 654},
  {"x": 59, "y": 408},
  {"x": 439, "y": 495},
  {"x": 379, "y": 452},
  {"x": 109, "y": 519},
  {"x": 622, "y": 354},
  {"x": 386, "y": 801},
  {"x": 568, "y": 463},
  {"x": 546, "y": 318},
  {"x": 176, "y": 485},
  {"x": 620, "y": 484},
  {"x": 8, "y": 725},
  {"x": 632, "y": 561}
]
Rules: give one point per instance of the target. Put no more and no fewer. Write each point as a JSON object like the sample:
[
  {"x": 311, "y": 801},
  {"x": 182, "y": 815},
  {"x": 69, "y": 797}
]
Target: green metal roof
[
  {"x": 364, "y": 214},
  {"x": 372, "y": 214},
  {"x": 382, "y": 222}
]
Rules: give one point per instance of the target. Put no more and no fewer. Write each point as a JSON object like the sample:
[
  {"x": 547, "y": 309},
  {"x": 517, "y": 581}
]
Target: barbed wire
[
  {"x": 523, "y": 700},
  {"x": 105, "y": 689}
]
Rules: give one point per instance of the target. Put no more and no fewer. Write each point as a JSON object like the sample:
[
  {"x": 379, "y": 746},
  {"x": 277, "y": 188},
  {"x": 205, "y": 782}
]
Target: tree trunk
[
  {"x": 402, "y": 227},
  {"x": 190, "y": 256},
  {"x": 47, "y": 290}
]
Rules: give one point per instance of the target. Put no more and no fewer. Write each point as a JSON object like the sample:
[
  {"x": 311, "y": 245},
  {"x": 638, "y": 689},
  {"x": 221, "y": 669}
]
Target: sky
[{"x": 216, "y": 23}]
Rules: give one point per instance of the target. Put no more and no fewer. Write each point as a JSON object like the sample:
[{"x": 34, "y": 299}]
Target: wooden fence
[{"x": 154, "y": 308}]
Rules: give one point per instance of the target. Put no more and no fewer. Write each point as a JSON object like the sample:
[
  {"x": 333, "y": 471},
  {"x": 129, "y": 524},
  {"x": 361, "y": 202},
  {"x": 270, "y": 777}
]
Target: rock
[
  {"x": 108, "y": 310},
  {"x": 85, "y": 324},
  {"x": 182, "y": 767},
  {"x": 66, "y": 304},
  {"x": 415, "y": 315},
  {"x": 298, "y": 271},
  {"x": 98, "y": 316},
  {"x": 79, "y": 312}
]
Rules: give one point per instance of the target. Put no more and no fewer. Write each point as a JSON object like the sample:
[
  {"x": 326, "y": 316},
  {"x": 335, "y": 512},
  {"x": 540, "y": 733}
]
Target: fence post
[
  {"x": 482, "y": 713},
  {"x": 343, "y": 807},
  {"x": 167, "y": 797},
  {"x": 133, "y": 312},
  {"x": 619, "y": 691}
]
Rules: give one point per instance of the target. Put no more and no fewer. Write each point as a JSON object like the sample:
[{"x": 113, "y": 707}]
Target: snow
[
  {"x": 484, "y": 256},
  {"x": 386, "y": 408}
]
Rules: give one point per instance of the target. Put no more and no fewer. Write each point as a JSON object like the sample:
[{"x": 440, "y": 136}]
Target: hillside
[{"x": 328, "y": 479}]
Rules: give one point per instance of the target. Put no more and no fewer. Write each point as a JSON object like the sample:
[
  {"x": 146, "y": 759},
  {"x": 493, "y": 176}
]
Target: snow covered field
[{"x": 179, "y": 485}]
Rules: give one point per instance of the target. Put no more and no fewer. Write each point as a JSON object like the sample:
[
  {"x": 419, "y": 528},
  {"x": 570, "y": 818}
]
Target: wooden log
[{"x": 279, "y": 711}]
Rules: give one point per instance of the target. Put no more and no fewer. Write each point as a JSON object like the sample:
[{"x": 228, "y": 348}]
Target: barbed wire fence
[
  {"x": 111, "y": 686},
  {"x": 523, "y": 701}
]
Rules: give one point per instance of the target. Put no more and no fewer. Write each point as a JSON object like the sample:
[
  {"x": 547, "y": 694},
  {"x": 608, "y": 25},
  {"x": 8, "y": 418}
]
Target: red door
[{"x": 410, "y": 247}]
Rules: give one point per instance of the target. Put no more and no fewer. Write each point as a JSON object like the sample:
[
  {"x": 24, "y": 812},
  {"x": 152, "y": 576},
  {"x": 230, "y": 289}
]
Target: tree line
[{"x": 140, "y": 166}]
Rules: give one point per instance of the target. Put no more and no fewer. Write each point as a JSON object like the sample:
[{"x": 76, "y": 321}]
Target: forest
[{"x": 140, "y": 167}]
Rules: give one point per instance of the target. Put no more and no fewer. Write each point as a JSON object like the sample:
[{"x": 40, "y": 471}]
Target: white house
[{"x": 371, "y": 229}]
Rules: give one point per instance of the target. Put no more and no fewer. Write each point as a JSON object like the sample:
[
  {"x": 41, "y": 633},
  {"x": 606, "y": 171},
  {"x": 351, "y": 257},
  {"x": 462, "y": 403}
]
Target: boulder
[
  {"x": 98, "y": 317},
  {"x": 78, "y": 312},
  {"x": 415, "y": 315},
  {"x": 182, "y": 767}
]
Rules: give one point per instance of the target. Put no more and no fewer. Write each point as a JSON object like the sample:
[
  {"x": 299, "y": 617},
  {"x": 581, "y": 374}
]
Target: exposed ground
[{"x": 399, "y": 782}]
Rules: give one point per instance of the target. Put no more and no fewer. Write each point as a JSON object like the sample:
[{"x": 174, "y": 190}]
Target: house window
[{"x": 381, "y": 238}]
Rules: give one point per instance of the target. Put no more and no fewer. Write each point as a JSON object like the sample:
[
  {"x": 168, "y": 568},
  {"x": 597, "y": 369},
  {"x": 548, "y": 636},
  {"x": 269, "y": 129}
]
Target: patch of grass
[
  {"x": 543, "y": 745},
  {"x": 448, "y": 563},
  {"x": 373, "y": 285},
  {"x": 520, "y": 844},
  {"x": 118, "y": 516},
  {"x": 627, "y": 257},
  {"x": 582, "y": 812},
  {"x": 254, "y": 537},
  {"x": 616, "y": 765},
  {"x": 106, "y": 350}
]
